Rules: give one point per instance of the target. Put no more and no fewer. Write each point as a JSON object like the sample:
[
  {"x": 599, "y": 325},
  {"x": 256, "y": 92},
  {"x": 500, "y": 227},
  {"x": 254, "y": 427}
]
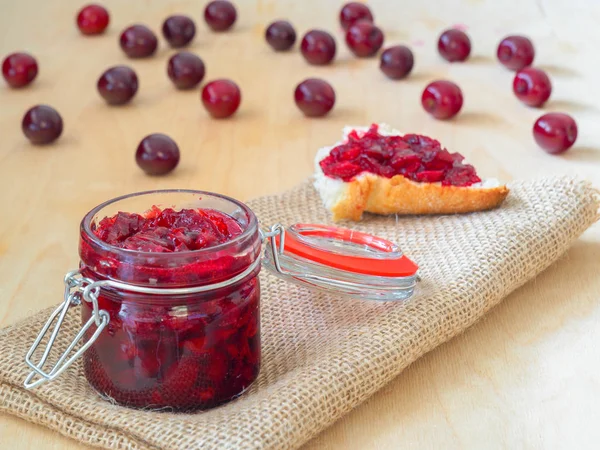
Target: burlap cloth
[{"x": 323, "y": 355}]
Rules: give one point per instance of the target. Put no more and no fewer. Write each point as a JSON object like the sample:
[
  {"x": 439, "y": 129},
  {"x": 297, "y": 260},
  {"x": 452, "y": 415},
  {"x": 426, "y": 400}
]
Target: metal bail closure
[
  {"x": 76, "y": 288},
  {"x": 339, "y": 260}
]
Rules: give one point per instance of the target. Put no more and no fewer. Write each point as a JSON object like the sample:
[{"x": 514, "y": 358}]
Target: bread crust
[{"x": 400, "y": 195}]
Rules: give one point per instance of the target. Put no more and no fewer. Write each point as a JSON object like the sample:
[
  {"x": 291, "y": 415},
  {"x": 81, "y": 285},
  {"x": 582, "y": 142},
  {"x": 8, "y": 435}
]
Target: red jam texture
[
  {"x": 184, "y": 352},
  {"x": 418, "y": 158}
]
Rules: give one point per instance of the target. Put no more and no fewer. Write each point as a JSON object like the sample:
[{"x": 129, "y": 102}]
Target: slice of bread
[{"x": 399, "y": 195}]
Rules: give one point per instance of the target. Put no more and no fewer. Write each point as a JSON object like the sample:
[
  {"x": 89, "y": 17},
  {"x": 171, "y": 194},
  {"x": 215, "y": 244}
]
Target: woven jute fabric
[{"x": 323, "y": 354}]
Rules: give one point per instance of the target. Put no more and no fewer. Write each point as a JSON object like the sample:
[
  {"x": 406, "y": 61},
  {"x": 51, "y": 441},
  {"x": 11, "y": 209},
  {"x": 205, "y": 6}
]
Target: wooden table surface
[{"x": 524, "y": 377}]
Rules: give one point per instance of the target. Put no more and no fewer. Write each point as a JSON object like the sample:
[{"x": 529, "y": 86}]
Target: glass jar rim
[{"x": 250, "y": 229}]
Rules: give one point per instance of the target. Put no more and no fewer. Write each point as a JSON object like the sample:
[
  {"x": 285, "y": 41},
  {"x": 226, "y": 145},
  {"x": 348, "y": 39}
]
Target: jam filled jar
[{"x": 169, "y": 294}]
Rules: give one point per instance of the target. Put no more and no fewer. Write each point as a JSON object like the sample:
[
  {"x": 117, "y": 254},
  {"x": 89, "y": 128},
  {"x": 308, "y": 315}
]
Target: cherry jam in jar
[{"x": 183, "y": 299}]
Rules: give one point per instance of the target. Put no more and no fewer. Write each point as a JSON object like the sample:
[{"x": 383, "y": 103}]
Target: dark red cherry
[
  {"x": 118, "y": 85},
  {"x": 364, "y": 38},
  {"x": 397, "y": 62},
  {"x": 555, "y": 132},
  {"x": 442, "y": 99},
  {"x": 515, "y": 52},
  {"x": 138, "y": 41},
  {"x": 280, "y": 35},
  {"x": 314, "y": 97},
  {"x": 221, "y": 98},
  {"x": 318, "y": 47},
  {"x": 157, "y": 154},
  {"x": 185, "y": 70},
  {"x": 352, "y": 12},
  {"x": 19, "y": 69},
  {"x": 178, "y": 30},
  {"x": 532, "y": 86},
  {"x": 454, "y": 45},
  {"x": 42, "y": 125},
  {"x": 93, "y": 19},
  {"x": 220, "y": 15}
]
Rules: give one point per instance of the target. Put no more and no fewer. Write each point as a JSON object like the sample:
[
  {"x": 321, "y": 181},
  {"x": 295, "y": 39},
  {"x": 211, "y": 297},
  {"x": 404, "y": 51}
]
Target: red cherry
[
  {"x": 157, "y": 154},
  {"x": 221, "y": 98},
  {"x": 318, "y": 47},
  {"x": 555, "y": 132},
  {"x": 178, "y": 30},
  {"x": 138, "y": 41},
  {"x": 454, "y": 45},
  {"x": 185, "y": 70},
  {"x": 220, "y": 15},
  {"x": 93, "y": 19},
  {"x": 42, "y": 125},
  {"x": 314, "y": 97},
  {"x": 532, "y": 86},
  {"x": 515, "y": 52},
  {"x": 280, "y": 35},
  {"x": 397, "y": 62},
  {"x": 118, "y": 85},
  {"x": 364, "y": 38},
  {"x": 19, "y": 69},
  {"x": 442, "y": 99},
  {"x": 353, "y": 12}
]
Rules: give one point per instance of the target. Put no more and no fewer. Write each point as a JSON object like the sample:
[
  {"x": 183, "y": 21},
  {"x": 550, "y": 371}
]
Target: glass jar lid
[{"x": 340, "y": 260}]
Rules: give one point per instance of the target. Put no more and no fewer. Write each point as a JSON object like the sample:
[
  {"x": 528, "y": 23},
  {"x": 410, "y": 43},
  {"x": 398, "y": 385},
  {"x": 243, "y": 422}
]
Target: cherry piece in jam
[
  {"x": 138, "y": 41},
  {"x": 515, "y": 52},
  {"x": 364, "y": 38},
  {"x": 314, "y": 97},
  {"x": 19, "y": 69},
  {"x": 118, "y": 85},
  {"x": 42, "y": 125},
  {"x": 93, "y": 19},
  {"x": 280, "y": 35},
  {"x": 352, "y": 12},
  {"x": 532, "y": 86},
  {"x": 185, "y": 70},
  {"x": 178, "y": 30},
  {"x": 318, "y": 47},
  {"x": 221, "y": 98},
  {"x": 418, "y": 158},
  {"x": 157, "y": 154},
  {"x": 220, "y": 15},
  {"x": 397, "y": 62},
  {"x": 555, "y": 132},
  {"x": 442, "y": 99},
  {"x": 454, "y": 45}
]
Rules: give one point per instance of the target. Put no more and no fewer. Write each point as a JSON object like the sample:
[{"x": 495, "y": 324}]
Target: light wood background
[{"x": 524, "y": 377}]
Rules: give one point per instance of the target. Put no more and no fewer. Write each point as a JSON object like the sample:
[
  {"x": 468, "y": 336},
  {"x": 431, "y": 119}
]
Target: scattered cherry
[
  {"x": 353, "y": 12},
  {"x": 364, "y": 38},
  {"x": 19, "y": 69},
  {"x": 454, "y": 45},
  {"x": 555, "y": 132},
  {"x": 220, "y": 15},
  {"x": 314, "y": 97},
  {"x": 281, "y": 35},
  {"x": 221, "y": 98},
  {"x": 185, "y": 70},
  {"x": 515, "y": 52},
  {"x": 118, "y": 85},
  {"x": 318, "y": 47},
  {"x": 442, "y": 99},
  {"x": 138, "y": 41},
  {"x": 42, "y": 125},
  {"x": 532, "y": 86},
  {"x": 92, "y": 19},
  {"x": 397, "y": 62},
  {"x": 157, "y": 154},
  {"x": 178, "y": 30}
]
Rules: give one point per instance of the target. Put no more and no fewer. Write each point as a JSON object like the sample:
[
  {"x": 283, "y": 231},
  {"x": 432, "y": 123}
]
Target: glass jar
[{"x": 178, "y": 351}]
